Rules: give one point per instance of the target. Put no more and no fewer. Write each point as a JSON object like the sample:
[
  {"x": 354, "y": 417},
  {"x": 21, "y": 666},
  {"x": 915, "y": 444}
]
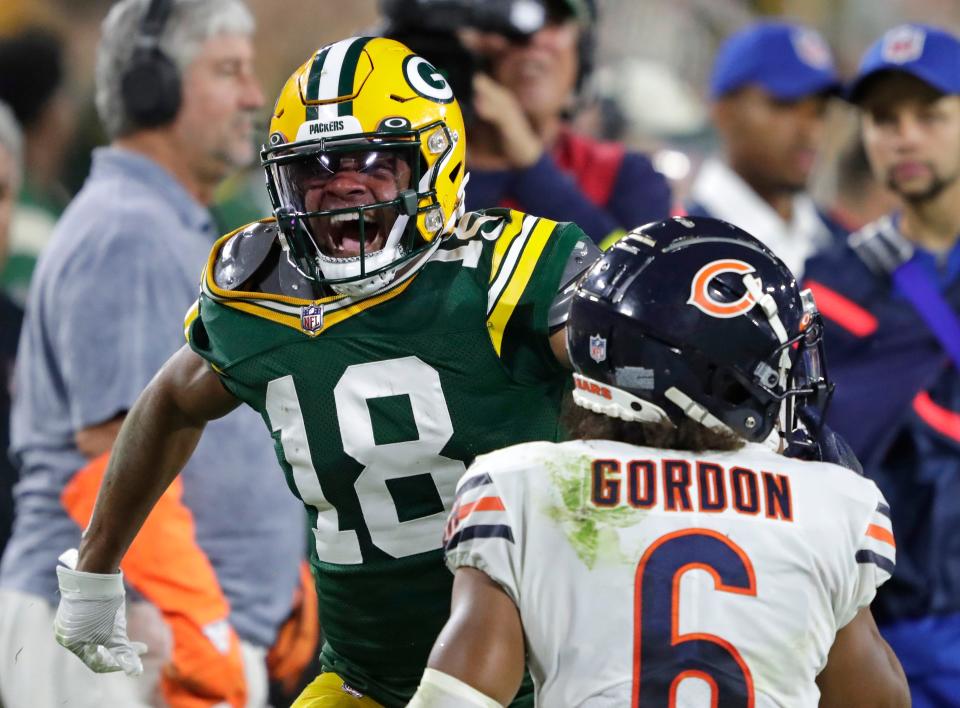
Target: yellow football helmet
[{"x": 364, "y": 163}]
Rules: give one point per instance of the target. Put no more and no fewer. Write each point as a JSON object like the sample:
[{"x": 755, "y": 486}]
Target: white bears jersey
[{"x": 649, "y": 577}]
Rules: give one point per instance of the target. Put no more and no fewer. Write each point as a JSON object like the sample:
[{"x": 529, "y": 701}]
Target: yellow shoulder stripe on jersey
[
  {"x": 346, "y": 312},
  {"x": 329, "y": 319},
  {"x": 188, "y": 319},
  {"x": 502, "y": 244},
  {"x": 510, "y": 296}
]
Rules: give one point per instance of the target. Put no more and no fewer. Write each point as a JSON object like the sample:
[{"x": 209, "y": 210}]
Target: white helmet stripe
[{"x": 329, "y": 84}]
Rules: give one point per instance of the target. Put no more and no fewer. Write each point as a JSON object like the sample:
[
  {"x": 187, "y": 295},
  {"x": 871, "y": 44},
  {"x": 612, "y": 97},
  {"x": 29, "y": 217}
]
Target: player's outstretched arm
[
  {"x": 157, "y": 437},
  {"x": 558, "y": 344},
  {"x": 478, "y": 658},
  {"x": 862, "y": 669}
]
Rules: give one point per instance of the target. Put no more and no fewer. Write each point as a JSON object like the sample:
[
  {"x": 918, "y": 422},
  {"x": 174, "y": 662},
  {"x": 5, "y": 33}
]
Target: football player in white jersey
[{"x": 672, "y": 556}]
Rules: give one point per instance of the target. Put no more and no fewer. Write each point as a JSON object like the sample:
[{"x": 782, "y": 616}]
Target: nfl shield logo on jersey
[
  {"x": 311, "y": 318},
  {"x": 598, "y": 348}
]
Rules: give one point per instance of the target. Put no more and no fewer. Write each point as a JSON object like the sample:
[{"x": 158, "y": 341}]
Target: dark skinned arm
[
  {"x": 862, "y": 669},
  {"x": 157, "y": 438},
  {"x": 482, "y": 642},
  {"x": 558, "y": 344}
]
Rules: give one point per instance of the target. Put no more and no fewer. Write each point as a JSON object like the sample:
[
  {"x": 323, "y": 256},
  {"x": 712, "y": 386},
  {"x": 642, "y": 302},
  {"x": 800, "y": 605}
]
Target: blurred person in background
[
  {"x": 859, "y": 197},
  {"x": 217, "y": 566},
  {"x": 891, "y": 297},
  {"x": 32, "y": 82},
  {"x": 11, "y": 155},
  {"x": 770, "y": 85},
  {"x": 523, "y": 152}
]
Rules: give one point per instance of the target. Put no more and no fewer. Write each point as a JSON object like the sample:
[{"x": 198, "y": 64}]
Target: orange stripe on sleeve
[
  {"x": 881, "y": 534},
  {"x": 482, "y": 504}
]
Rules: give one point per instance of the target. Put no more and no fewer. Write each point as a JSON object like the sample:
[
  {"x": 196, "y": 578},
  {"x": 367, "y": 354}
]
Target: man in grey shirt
[
  {"x": 11, "y": 170},
  {"x": 221, "y": 565}
]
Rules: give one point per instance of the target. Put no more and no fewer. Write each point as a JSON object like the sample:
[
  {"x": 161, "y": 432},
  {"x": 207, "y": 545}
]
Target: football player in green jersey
[{"x": 387, "y": 339}]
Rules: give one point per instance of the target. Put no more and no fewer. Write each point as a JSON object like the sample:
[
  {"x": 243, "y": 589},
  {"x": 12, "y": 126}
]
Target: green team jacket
[{"x": 378, "y": 405}]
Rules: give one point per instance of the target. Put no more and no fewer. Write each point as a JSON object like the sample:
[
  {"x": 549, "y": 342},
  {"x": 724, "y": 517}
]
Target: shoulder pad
[
  {"x": 584, "y": 254},
  {"x": 285, "y": 279},
  {"x": 243, "y": 253},
  {"x": 253, "y": 260}
]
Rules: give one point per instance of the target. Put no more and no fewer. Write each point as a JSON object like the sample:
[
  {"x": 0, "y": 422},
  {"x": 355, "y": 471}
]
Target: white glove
[{"x": 91, "y": 619}]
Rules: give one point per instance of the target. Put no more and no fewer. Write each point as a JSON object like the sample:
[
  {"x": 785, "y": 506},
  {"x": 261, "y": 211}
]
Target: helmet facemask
[
  {"x": 348, "y": 207},
  {"x": 808, "y": 384}
]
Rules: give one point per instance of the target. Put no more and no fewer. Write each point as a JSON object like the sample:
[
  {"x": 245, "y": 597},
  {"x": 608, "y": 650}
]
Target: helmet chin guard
[{"x": 339, "y": 271}]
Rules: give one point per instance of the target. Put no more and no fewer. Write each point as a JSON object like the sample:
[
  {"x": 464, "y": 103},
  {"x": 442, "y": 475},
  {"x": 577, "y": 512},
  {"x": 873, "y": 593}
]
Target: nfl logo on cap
[
  {"x": 811, "y": 48},
  {"x": 311, "y": 318},
  {"x": 598, "y": 348},
  {"x": 903, "y": 44}
]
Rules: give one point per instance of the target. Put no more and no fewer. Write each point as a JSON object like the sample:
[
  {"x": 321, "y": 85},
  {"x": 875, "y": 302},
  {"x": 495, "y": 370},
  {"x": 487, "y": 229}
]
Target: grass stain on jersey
[{"x": 591, "y": 530}]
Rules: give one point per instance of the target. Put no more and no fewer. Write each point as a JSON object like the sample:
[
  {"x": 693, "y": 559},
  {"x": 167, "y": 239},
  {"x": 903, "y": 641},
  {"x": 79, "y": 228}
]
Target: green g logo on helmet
[{"x": 426, "y": 80}]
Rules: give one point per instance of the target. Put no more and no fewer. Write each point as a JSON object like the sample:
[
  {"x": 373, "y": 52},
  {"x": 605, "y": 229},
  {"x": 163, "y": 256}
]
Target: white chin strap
[
  {"x": 695, "y": 412},
  {"x": 769, "y": 306}
]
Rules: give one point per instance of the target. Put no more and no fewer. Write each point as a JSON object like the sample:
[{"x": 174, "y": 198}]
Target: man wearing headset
[
  {"x": 176, "y": 94},
  {"x": 523, "y": 151}
]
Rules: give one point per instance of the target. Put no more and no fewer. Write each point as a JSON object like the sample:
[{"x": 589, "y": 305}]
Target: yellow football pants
[{"x": 329, "y": 691}]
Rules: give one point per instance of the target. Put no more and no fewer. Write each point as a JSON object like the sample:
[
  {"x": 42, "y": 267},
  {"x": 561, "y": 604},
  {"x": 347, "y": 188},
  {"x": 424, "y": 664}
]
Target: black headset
[{"x": 150, "y": 86}]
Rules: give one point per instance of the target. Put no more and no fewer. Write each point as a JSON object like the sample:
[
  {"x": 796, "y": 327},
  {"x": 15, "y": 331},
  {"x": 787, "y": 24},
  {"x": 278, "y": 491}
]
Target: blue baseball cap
[
  {"x": 927, "y": 53},
  {"x": 789, "y": 61}
]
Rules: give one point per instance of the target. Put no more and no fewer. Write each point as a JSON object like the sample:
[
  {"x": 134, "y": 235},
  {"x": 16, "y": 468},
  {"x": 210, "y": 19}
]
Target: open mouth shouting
[
  {"x": 340, "y": 235},
  {"x": 361, "y": 184}
]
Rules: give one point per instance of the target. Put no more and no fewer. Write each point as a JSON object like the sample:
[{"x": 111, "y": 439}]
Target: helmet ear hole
[{"x": 729, "y": 389}]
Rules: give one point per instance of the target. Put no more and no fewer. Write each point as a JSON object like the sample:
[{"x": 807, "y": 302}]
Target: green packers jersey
[{"x": 378, "y": 405}]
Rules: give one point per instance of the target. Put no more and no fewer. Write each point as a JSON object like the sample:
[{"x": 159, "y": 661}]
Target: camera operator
[{"x": 523, "y": 61}]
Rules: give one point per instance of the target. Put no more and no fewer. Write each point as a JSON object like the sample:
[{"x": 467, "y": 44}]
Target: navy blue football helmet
[{"x": 694, "y": 317}]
